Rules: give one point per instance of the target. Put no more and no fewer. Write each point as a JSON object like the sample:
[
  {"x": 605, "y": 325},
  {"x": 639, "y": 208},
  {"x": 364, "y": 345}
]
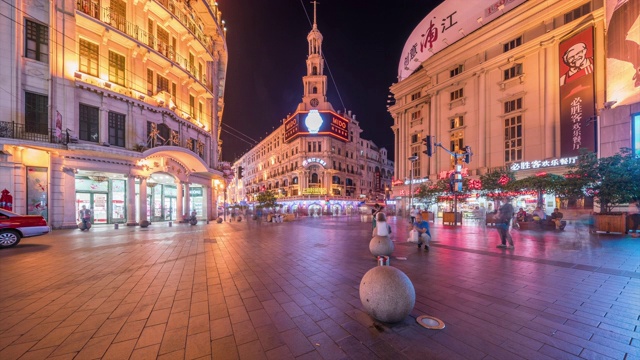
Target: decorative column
[
  {"x": 209, "y": 202},
  {"x": 68, "y": 186},
  {"x": 179, "y": 201},
  {"x": 143, "y": 199},
  {"x": 131, "y": 201},
  {"x": 187, "y": 201}
]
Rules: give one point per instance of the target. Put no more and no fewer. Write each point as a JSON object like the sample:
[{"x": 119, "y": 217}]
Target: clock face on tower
[{"x": 314, "y": 102}]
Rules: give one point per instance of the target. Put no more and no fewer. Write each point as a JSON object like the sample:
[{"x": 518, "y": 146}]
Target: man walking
[{"x": 505, "y": 214}]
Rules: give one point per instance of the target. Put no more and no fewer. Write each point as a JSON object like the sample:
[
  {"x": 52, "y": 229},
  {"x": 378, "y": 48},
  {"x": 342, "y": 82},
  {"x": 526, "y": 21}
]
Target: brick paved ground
[{"x": 290, "y": 290}]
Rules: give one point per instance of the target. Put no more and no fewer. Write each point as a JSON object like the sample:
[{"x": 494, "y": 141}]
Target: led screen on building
[{"x": 314, "y": 122}]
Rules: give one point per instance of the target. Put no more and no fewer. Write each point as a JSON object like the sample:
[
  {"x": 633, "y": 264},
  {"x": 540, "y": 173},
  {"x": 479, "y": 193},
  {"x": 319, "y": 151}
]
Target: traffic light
[
  {"x": 467, "y": 154},
  {"x": 428, "y": 145},
  {"x": 240, "y": 170}
]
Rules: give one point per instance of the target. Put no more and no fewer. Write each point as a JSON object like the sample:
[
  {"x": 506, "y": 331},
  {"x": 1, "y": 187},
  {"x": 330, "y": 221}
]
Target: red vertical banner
[{"x": 577, "y": 94}]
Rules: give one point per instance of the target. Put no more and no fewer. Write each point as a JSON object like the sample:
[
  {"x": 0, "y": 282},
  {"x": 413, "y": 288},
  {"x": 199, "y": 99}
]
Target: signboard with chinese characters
[
  {"x": 537, "y": 164},
  {"x": 577, "y": 97},
  {"x": 449, "y": 22},
  {"x": 329, "y": 123},
  {"x": 623, "y": 55},
  {"x": 314, "y": 191}
]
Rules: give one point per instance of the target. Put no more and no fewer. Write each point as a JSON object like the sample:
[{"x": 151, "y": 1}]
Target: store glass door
[
  {"x": 96, "y": 202},
  {"x": 170, "y": 208}
]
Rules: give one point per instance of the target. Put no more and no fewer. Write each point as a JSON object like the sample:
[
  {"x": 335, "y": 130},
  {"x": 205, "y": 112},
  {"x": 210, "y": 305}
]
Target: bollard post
[
  {"x": 115, "y": 226},
  {"x": 170, "y": 223}
]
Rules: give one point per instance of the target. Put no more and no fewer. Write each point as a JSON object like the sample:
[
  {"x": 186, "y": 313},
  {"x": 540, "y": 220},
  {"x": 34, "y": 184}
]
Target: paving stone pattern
[{"x": 290, "y": 291}]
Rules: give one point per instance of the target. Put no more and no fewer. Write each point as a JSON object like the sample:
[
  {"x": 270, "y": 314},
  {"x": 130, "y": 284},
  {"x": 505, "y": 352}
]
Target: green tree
[
  {"x": 540, "y": 183},
  {"x": 428, "y": 193},
  {"x": 495, "y": 180},
  {"x": 613, "y": 180},
  {"x": 266, "y": 199}
]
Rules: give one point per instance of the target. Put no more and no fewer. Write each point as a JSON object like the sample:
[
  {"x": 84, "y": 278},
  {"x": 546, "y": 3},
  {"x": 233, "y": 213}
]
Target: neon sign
[{"x": 537, "y": 164}]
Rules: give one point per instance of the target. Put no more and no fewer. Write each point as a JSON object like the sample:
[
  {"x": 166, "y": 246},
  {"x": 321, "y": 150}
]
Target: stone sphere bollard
[
  {"x": 219, "y": 220},
  {"x": 144, "y": 223},
  {"x": 381, "y": 245},
  {"x": 239, "y": 218},
  {"x": 387, "y": 294}
]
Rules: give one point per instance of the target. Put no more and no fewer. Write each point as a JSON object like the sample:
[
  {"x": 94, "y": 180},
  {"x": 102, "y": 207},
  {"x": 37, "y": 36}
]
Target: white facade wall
[{"x": 482, "y": 61}]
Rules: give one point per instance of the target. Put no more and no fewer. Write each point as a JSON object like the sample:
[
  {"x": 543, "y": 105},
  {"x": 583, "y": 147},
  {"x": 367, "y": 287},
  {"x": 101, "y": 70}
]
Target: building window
[
  {"x": 88, "y": 57},
  {"x": 149, "y": 82},
  {"x": 415, "y": 165},
  {"x": 457, "y": 122},
  {"x": 36, "y": 41},
  {"x": 577, "y": 13},
  {"x": 192, "y": 106},
  {"x": 512, "y": 44},
  {"x": 513, "y": 139},
  {"x": 88, "y": 121},
  {"x": 515, "y": 70},
  {"x": 116, "y": 129},
  {"x": 416, "y": 96},
  {"x": 162, "y": 84},
  {"x": 416, "y": 115},
  {"x": 512, "y": 105},
  {"x": 35, "y": 113},
  {"x": 118, "y": 14},
  {"x": 456, "y": 141},
  {"x": 200, "y": 112},
  {"x": 457, "y": 94},
  {"x": 116, "y": 68},
  {"x": 415, "y": 138},
  {"x": 455, "y": 71}
]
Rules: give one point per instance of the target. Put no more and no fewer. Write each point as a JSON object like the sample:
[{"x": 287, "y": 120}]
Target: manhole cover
[{"x": 430, "y": 322}]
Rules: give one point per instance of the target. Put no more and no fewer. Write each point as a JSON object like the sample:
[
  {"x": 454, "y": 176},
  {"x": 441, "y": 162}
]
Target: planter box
[
  {"x": 608, "y": 223},
  {"x": 451, "y": 218},
  {"x": 427, "y": 216}
]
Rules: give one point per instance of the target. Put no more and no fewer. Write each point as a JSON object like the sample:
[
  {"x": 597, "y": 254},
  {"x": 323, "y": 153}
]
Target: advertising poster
[
  {"x": 577, "y": 96},
  {"x": 37, "y": 185},
  {"x": 623, "y": 51}
]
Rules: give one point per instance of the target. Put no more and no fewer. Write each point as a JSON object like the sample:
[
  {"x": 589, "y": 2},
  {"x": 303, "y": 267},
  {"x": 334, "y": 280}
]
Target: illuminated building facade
[
  {"x": 112, "y": 104},
  {"x": 520, "y": 82},
  {"x": 316, "y": 161}
]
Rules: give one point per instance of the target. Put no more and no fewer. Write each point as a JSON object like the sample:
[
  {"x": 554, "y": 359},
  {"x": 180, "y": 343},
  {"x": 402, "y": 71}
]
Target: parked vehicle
[{"x": 14, "y": 227}]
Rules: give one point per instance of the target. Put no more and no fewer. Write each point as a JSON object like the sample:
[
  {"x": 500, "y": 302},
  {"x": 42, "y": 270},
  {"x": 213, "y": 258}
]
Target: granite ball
[
  {"x": 387, "y": 294},
  {"x": 381, "y": 245},
  {"x": 219, "y": 220},
  {"x": 144, "y": 223}
]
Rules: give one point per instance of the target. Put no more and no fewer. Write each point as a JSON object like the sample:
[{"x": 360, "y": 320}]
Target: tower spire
[{"x": 315, "y": 2}]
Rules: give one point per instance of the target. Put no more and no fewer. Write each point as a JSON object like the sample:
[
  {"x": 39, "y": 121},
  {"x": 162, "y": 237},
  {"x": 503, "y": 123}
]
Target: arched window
[
  {"x": 314, "y": 90},
  {"x": 314, "y": 178},
  {"x": 285, "y": 182},
  {"x": 294, "y": 180},
  {"x": 277, "y": 184},
  {"x": 314, "y": 70}
]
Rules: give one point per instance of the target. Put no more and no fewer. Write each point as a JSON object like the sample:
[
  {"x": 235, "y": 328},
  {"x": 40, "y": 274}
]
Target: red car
[{"x": 14, "y": 227}]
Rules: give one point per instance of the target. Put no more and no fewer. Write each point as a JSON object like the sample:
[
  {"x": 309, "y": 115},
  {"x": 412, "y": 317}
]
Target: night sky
[{"x": 267, "y": 43}]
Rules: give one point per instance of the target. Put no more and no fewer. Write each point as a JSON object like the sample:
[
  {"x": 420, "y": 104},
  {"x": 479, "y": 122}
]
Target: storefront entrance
[{"x": 97, "y": 202}]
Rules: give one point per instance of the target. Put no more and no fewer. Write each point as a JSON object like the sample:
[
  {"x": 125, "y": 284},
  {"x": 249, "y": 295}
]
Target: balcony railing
[
  {"x": 107, "y": 16},
  {"x": 30, "y": 132}
]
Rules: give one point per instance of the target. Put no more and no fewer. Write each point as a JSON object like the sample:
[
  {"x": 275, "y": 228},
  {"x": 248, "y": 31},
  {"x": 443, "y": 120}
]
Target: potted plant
[{"x": 612, "y": 180}]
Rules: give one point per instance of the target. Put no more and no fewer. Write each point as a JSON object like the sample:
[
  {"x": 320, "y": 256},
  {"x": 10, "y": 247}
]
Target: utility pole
[{"x": 455, "y": 180}]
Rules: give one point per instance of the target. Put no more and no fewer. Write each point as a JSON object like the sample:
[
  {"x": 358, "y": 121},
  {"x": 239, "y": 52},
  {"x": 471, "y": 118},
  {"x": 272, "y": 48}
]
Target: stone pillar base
[{"x": 133, "y": 224}]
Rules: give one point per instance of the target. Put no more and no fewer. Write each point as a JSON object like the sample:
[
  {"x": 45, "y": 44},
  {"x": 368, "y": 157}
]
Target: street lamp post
[{"x": 412, "y": 159}]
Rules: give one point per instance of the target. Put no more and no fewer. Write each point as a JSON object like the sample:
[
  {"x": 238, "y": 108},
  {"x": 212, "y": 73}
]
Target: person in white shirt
[{"x": 413, "y": 213}]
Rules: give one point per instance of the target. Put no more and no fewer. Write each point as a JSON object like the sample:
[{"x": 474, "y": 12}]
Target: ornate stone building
[
  {"x": 316, "y": 161},
  {"x": 111, "y": 104}
]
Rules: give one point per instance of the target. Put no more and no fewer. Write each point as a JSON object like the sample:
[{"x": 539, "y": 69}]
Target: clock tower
[{"x": 315, "y": 82}]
